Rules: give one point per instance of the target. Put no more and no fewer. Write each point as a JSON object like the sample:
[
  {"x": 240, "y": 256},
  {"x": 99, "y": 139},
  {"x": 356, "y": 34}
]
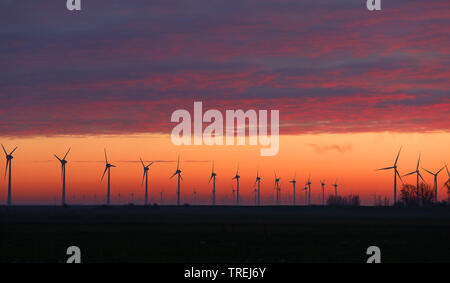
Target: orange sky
[{"x": 36, "y": 173}]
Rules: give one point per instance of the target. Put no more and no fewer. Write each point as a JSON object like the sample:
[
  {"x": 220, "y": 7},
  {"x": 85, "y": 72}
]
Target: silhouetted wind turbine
[
  {"x": 323, "y": 191},
  {"x": 277, "y": 187},
  {"x": 395, "y": 175},
  {"x": 237, "y": 185},
  {"x": 213, "y": 177},
  {"x": 194, "y": 196},
  {"x": 108, "y": 169},
  {"x": 309, "y": 189},
  {"x": 145, "y": 176},
  {"x": 435, "y": 181},
  {"x": 232, "y": 192},
  {"x": 178, "y": 172},
  {"x": 63, "y": 162},
  {"x": 258, "y": 180},
  {"x": 335, "y": 185},
  {"x": 293, "y": 181},
  {"x": 418, "y": 175},
  {"x": 9, "y": 159},
  {"x": 306, "y": 194},
  {"x": 448, "y": 173}
]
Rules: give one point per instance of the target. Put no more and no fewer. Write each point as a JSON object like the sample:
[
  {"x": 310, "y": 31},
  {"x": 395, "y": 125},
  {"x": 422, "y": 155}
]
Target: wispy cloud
[
  {"x": 318, "y": 62},
  {"x": 334, "y": 147}
]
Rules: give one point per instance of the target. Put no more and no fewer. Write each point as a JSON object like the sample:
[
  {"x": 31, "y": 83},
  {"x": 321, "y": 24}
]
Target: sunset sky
[{"x": 352, "y": 87}]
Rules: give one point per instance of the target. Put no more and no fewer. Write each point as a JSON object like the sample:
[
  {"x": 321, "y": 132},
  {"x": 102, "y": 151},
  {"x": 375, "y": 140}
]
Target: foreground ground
[{"x": 224, "y": 234}]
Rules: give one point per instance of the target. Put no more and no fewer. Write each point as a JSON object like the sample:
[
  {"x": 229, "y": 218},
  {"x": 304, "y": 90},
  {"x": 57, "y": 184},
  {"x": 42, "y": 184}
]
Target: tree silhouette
[
  {"x": 408, "y": 194},
  {"x": 350, "y": 200},
  {"x": 448, "y": 191}
]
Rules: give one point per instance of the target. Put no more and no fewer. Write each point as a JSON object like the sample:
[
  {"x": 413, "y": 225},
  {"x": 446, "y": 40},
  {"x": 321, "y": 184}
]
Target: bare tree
[
  {"x": 408, "y": 194},
  {"x": 350, "y": 200}
]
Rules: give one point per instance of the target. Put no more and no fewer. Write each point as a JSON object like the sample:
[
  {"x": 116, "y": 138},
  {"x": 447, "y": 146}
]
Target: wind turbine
[
  {"x": 448, "y": 173},
  {"x": 335, "y": 185},
  {"x": 145, "y": 176},
  {"x": 213, "y": 177},
  {"x": 306, "y": 194},
  {"x": 418, "y": 175},
  {"x": 9, "y": 159},
  {"x": 232, "y": 192},
  {"x": 293, "y": 181},
  {"x": 435, "y": 181},
  {"x": 178, "y": 172},
  {"x": 309, "y": 189},
  {"x": 395, "y": 175},
  {"x": 108, "y": 167},
  {"x": 63, "y": 162},
  {"x": 277, "y": 187},
  {"x": 237, "y": 185},
  {"x": 194, "y": 196},
  {"x": 323, "y": 191},
  {"x": 258, "y": 181}
]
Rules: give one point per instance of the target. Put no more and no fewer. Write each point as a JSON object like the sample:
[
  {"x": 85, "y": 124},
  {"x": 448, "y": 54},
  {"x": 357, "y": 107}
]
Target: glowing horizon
[{"x": 352, "y": 158}]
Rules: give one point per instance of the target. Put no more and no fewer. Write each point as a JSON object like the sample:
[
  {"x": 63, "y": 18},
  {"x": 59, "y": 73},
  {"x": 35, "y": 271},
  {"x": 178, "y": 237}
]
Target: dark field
[{"x": 224, "y": 234}]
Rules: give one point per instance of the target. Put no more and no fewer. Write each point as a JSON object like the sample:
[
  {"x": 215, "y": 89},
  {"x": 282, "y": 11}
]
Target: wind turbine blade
[
  {"x": 104, "y": 172},
  {"x": 142, "y": 162},
  {"x": 398, "y": 155},
  {"x": 210, "y": 179},
  {"x": 106, "y": 156},
  {"x": 13, "y": 150},
  {"x": 398, "y": 174},
  {"x": 418, "y": 162},
  {"x": 178, "y": 162},
  {"x": 181, "y": 177},
  {"x": 387, "y": 168},
  {"x": 6, "y": 168},
  {"x": 421, "y": 177},
  {"x": 150, "y": 164},
  {"x": 409, "y": 174},
  {"x": 440, "y": 170},
  {"x": 173, "y": 175},
  {"x": 428, "y": 171},
  {"x": 67, "y": 153},
  {"x": 4, "y": 150},
  {"x": 448, "y": 173},
  {"x": 57, "y": 157},
  {"x": 213, "y": 167},
  {"x": 143, "y": 177}
]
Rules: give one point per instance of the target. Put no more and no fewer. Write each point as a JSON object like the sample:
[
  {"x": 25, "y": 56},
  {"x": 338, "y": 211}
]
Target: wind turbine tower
[
  {"x": 213, "y": 178},
  {"x": 108, "y": 167},
  {"x": 309, "y": 189},
  {"x": 435, "y": 175},
  {"x": 178, "y": 172},
  {"x": 335, "y": 185},
  {"x": 146, "y": 168},
  {"x": 277, "y": 187},
  {"x": 258, "y": 181},
  {"x": 9, "y": 158},
  {"x": 237, "y": 185},
  {"x": 395, "y": 175},
  {"x": 293, "y": 181},
  {"x": 323, "y": 191},
  {"x": 418, "y": 175},
  {"x": 63, "y": 162}
]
